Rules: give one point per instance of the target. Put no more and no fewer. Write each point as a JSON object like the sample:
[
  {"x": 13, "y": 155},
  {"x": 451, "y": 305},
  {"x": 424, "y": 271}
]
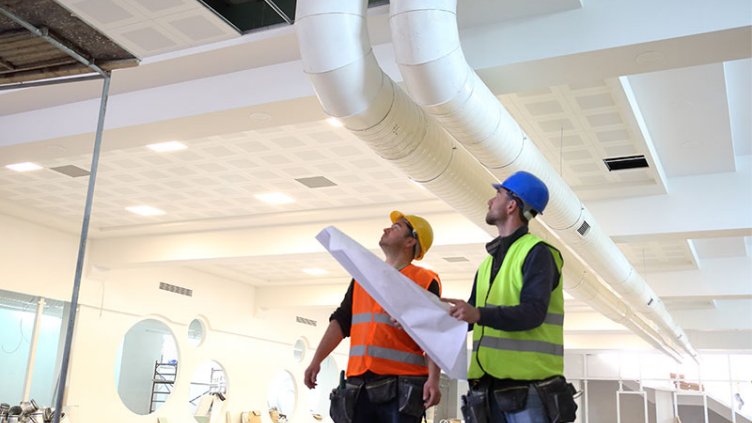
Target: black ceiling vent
[
  {"x": 251, "y": 15},
  {"x": 625, "y": 163},
  {"x": 305, "y": 321},
  {"x": 175, "y": 289},
  {"x": 584, "y": 228}
]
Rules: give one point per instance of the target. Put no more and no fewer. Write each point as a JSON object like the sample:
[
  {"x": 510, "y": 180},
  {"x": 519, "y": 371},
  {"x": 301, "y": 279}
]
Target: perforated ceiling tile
[
  {"x": 149, "y": 39},
  {"x": 605, "y": 119},
  {"x": 544, "y": 108},
  {"x": 595, "y": 101},
  {"x": 556, "y": 125},
  {"x": 620, "y": 150},
  {"x": 197, "y": 28},
  {"x": 165, "y": 6},
  {"x": 104, "y": 12},
  {"x": 611, "y": 136},
  {"x": 659, "y": 255}
]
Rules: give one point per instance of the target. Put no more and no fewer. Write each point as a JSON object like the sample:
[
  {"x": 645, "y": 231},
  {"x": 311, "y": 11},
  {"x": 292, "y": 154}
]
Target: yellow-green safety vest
[{"x": 520, "y": 355}]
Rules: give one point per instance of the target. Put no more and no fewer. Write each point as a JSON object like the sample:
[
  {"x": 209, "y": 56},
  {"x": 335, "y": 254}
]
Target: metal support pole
[
  {"x": 731, "y": 390},
  {"x": 33, "y": 350},
  {"x": 586, "y": 406},
  {"x": 81, "y": 250},
  {"x": 618, "y": 404}
]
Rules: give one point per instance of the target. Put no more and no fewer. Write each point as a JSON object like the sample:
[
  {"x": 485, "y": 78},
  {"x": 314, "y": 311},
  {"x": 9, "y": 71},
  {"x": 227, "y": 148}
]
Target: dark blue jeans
[
  {"x": 532, "y": 413},
  {"x": 388, "y": 412}
]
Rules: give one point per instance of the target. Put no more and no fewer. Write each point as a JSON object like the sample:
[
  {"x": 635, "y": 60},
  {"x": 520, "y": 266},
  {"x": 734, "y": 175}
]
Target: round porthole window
[
  {"x": 196, "y": 332},
  {"x": 147, "y": 366},
  {"x": 299, "y": 349}
]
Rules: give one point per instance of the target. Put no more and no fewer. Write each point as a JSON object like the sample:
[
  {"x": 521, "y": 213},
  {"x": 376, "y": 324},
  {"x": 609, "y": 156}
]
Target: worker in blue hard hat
[{"x": 516, "y": 314}]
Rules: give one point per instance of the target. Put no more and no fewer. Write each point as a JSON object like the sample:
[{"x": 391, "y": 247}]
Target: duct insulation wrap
[
  {"x": 352, "y": 87},
  {"x": 437, "y": 76}
]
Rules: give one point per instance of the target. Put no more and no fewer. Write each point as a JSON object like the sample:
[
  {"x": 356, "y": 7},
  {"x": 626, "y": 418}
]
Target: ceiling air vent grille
[
  {"x": 625, "y": 163},
  {"x": 305, "y": 321},
  {"x": 584, "y": 228},
  {"x": 457, "y": 259},
  {"x": 175, "y": 289}
]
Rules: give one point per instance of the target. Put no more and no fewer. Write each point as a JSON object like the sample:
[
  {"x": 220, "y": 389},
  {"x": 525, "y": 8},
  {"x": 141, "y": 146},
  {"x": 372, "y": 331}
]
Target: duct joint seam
[{"x": 449, "y": 163}]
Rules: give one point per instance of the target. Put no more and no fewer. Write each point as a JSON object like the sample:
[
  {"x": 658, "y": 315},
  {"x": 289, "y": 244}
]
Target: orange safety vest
[{"x": 375, "y": 343}]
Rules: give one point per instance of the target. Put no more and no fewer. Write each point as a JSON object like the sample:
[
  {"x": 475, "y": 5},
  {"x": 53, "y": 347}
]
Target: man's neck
[
  {"x": 509, "y": 227},
  {"x": 398, "y": 262}
]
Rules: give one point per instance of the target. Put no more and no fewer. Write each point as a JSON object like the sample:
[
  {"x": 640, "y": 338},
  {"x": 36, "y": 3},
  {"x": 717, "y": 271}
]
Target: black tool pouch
[
  {"x": 381, "y": 390},
  {"x": 558, "y": 399},
  {"x": 512, "y": 398},
  {"x": 343, "y": 399},
  {"x": 475, "y": 407},
  {"x": 411, "y": 395}
]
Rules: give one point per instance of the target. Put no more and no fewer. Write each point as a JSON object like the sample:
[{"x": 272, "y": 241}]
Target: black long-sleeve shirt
[
  {"x": 343, "y": 314},
  {"x": 539, "y": 277}
]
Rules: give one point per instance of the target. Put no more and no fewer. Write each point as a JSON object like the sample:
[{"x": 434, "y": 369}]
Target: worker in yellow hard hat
[{"x": 389, "y": 377}]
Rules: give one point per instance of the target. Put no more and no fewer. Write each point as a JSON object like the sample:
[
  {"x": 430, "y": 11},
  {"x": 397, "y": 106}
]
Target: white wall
[{"x": 252, "y": 347}]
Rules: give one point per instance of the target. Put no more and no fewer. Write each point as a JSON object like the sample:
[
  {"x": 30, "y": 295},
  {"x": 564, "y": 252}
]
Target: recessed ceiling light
[
  {"x": 275, "y": 198},
  {"x": 334, "y": 122},
  {"x": 145, "y": 210},
  {"x": 315, "y": 271},
  {"x": 167, "y": 146},
  {"x": 23, "y": 167}
]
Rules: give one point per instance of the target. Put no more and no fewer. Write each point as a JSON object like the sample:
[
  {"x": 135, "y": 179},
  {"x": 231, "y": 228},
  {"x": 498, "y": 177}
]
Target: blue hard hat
[{"x": 531, "y": 190}]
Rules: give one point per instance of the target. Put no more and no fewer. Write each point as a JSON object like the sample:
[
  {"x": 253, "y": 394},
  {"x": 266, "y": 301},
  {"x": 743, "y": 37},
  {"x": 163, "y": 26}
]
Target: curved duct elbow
[
  {"x": 351, "y": 87},
  {"x": 438, "y": 77}
]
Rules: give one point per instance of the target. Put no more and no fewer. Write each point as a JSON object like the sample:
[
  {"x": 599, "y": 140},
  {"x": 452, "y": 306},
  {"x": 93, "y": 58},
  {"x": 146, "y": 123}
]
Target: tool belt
[
  {"x": 556, "y": 395},
  {"x": 380, "y": 390}
]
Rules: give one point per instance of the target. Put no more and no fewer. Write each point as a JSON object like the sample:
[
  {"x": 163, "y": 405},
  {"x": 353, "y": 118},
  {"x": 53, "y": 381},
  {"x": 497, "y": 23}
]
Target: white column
[{"x": 33, "y": 350}]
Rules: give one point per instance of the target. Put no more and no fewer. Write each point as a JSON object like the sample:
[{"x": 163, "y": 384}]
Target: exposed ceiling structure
[{"x": 587, "y": 82}]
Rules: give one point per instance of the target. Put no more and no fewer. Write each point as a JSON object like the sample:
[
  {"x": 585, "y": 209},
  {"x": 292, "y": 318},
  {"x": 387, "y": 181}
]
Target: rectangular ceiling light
[
  {"x": 145, "y": 210},
  {"x": 23, "y": 167},
  {"x": 315, "y": 271},
  {"x": 163, "y": 147},
  {"x": 625, "y": 163},
  {"x": 275, "y": 198}
]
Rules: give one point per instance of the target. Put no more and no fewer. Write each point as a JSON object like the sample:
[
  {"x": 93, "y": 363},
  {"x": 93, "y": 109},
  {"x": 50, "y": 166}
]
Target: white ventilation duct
[
  {"x": 428, "y": 52},
  {"x": 351, "y": 87}
]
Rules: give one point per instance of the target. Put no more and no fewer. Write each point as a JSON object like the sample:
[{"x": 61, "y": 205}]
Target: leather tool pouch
[
  {"x": 343, "y": 399},
  {"x": 512, "y": 398},
  {"x": 381, "y": 390},
  {"x": 411, "y": 395},
  {"x": 558, "y": 399},
  {"x": 475, "y": 407}
]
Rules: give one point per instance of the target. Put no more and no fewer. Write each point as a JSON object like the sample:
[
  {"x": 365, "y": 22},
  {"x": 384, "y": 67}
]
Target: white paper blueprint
[{"x": 421, "y": 314}]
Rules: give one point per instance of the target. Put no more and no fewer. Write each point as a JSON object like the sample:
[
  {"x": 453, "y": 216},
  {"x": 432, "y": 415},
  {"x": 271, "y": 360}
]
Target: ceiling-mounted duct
[
  {"x": 430, "y": 58},
  {"x": 337, "y": 56}
]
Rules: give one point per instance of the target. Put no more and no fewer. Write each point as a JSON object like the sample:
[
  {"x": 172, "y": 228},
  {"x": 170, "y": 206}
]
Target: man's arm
[
  {"x": 332, "y": 337},
  {"x": 339, "y": 328},
  {"x": 431, "y": 389},
  {"x": 539, "y": 277}
]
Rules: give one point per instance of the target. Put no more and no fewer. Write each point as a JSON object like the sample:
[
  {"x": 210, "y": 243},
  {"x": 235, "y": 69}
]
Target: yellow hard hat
[{"x": 421, "y": 230}]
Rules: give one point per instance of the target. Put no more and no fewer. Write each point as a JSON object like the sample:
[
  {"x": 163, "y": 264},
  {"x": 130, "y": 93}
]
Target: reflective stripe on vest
[
  {"x": 520, "y": 355},
  {"x": 520, "y": 345},
  {"x": 376, "y": 344},
  {"x": 372, "y": 317},
  {"x": 387, "y": 354}
]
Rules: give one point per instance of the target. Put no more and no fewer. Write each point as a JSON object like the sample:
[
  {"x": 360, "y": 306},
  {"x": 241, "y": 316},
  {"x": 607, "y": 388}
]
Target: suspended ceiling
[{"x": 677, "y": 93}]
